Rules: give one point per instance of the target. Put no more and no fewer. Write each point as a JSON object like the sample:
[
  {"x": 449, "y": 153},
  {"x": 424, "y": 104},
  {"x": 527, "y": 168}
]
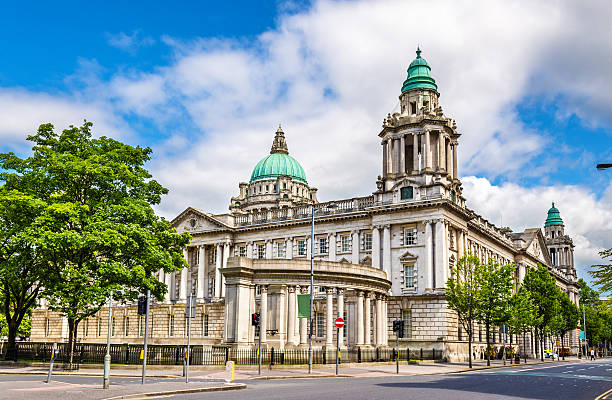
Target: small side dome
[
  {"x": 554, "y": 217},
  {"x": 278, "y": 163},
  {"x": 419, "y": 75}
]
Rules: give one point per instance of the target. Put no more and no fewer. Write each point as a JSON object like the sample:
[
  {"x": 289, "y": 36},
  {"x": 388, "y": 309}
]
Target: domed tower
[
  {"x": 419, "y": 144},
  {"x": 560, "y": 246},
  {"x": 278, "y": 180}
]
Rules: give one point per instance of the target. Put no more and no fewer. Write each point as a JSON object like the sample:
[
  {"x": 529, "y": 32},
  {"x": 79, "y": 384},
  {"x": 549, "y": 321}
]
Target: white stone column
[
  {"x": 355, "y": 247},
  {"x": 226, "y": 254},
  {"x": 415, "y": 153},
  {"x": 218, "y": 266},
  {"x": 201, "y": 272},
  {"x": 291, "y": 315},
  {"x": 184, "y": 272},
  {"x": 304, "y": 323},
  {"x": 168, "y": 282},
  {"x": 289, "y": 249},
  {"x": 329, "y": 318},
  {"x": 389, "y": 156},
  {"x": 332, "y": 247},
  {"x": 263, "y": 314},
  {"x": 385, "y": 323},
  {"x": 340, "y": 302},
  {"x": 268, "y": 249},
  {"x": 376, "y": 247},
  {"x": 440, "y": 152},
  {"x": 447, "y": 157},
  {"x": 360, "y": 322},
  {"x": 160, "y": 275},
  {"x": 384, "y": 160},
  {"x": 428, "y": 261},
  {"x": 427, "y": 151},
  {"x": 367, "y": 329},
  {"x": 387, "y": 250},
  {"x": 460, "y": 244},
  {"x": 378, "y": 318},
  {"x": 441, "y": 255},
  {"x": 455, "y": 161},
  {"x": 249, "y": 250},
  {"x": 402, "y": 157},
  {"x": 308, "y": 246}
]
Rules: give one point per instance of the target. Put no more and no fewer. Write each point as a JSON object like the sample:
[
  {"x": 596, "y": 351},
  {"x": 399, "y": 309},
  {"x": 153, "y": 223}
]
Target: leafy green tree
[
  {"x": 522, "y": 315},
  {"x": 98, "y": 231},
  {"x": 20, "y": 266},
  {"x": 495, "y": 283},
  {"x": 462, "y": 295},
  {"x": 568, "y": 314},
  {"x": 598, "y": 315},
  {"x": 603, "y": 272},
  {"x": 540, "y": 284}
]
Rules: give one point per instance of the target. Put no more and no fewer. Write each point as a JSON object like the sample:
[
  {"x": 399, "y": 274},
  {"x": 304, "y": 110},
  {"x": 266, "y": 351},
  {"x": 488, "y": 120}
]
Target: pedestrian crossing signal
[{"x": 255, "y": 319}]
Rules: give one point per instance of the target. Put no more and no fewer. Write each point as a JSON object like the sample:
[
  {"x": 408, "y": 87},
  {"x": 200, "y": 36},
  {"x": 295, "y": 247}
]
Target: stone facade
[{"x": 411, "y": 231}]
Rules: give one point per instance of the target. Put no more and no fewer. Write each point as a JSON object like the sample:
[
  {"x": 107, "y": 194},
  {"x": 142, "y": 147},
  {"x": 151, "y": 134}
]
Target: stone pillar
[
  {"x": 429, "y": 273},
  {"x": 367, "y": 330},
  {"x": 340, "y": 302},
  {"x": 168, "y": 282},
  {"x": 184, "y": 272},
  {"x": 304, "y": 323},
  {"x": 329, "y": 318},
  {"x": 402, "y": 157},
  {"x": 455, "y": 161},
  {"x": 447, "y": 157},
  {"x": 249, "y": 250},
  {"x": 385, "y": 322},
  {"x": 384, "y": 161},
  {"x": 378, "y": 318},
  {"x": 355, "y": 247},
  {"x": 226, "y": 251},
  {"x": 289, "y": 249},
  {"x": 441, "y": 255},
  {"x": 332, "y": 247},
  {"x": 263, "y": 314},
  {"x": 460, "y": 248},
  {"x": 218, "y": 266},
  {"x": 376, "y": 247},
  {"x": 308, "y": 247},
  {"x": 440, "y": 150},
  {"x": 387, "y": 250},
  {"x": 201, "y": 272},
  {"x": 360, "y": 327},
  {"x": 291, "y": 315},
  {"x": 415, "y": 154},
  {"x": 268, "y": 249},
  {"x": 427, "y": 151}
]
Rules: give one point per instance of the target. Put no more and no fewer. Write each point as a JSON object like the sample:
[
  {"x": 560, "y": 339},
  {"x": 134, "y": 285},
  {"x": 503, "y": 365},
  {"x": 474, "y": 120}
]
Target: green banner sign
[{"x": 303, "y": 305}]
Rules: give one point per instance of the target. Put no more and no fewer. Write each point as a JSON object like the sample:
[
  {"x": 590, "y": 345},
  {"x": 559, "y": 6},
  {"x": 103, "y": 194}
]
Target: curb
[
  {"x": 229, "y": 386},
  {"x": 266, "y": 378},
  {"x": 87, "y": 374}
]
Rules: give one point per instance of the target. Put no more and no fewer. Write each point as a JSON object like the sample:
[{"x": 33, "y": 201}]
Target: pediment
[
  {"x": 408, "y": 256},
  {"x": 192, "y": 220},
  {"x": 404, "y": 182},
  {"x": 537, "y": 248}
]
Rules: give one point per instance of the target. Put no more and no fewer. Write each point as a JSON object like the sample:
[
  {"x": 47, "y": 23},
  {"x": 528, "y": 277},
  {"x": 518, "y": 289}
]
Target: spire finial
[
  {"x": 418, "y": 52},
  {"x": 279, "y": 145},
  {"x": 553, "y": 204}
]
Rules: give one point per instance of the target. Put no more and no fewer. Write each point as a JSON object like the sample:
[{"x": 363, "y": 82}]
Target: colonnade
[
  {"x": 370, "y": 307},
  {"x": 429, "y": 144}
]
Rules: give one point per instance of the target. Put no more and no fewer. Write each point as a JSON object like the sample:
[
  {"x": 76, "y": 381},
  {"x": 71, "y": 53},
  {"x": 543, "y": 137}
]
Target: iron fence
[{"x": 130, "y": 354}]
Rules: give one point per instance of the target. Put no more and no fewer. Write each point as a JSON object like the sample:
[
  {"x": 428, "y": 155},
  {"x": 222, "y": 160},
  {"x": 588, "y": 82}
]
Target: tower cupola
[{"x": 419, "y": 75}]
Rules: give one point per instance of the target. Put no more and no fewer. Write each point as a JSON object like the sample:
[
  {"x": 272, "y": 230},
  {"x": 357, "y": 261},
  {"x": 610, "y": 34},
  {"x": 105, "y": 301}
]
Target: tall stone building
[{"x": 376, "y": 258}]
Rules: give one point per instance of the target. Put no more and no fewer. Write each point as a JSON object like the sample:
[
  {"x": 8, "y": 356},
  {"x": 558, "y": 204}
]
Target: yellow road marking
[{"x": 603, "y": 395}]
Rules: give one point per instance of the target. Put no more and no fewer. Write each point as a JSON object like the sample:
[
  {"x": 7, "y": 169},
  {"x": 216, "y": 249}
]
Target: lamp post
[
  {"x": 107, "y": 357},
  {"x": 310, "y": 321},
  {"x": 601, "y": 167}
]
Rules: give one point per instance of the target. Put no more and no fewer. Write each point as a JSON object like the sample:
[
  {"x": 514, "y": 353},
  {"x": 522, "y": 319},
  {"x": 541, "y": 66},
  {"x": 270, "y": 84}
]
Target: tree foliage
[{"x": 603, "y": 272}]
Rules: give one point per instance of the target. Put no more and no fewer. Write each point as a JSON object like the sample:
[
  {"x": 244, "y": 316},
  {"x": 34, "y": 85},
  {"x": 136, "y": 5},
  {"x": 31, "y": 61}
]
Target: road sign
[
  {"x": 580, "y": 334},
  {"x": 339, "y": 322}
]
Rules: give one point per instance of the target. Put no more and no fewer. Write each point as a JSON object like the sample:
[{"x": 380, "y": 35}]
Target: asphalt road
[{"x": 572, "y": 381}]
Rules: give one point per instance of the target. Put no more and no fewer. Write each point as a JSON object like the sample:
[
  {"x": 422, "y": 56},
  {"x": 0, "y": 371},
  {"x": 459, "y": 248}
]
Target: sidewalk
[{"x": 280, "y": 372}]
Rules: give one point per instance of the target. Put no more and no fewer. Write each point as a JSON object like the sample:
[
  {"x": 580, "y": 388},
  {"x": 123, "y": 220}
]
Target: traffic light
[
  {"x": 398, "y": 327},
  {"x": 142, "y": 305},
  {"x": 255, "y": 319}
]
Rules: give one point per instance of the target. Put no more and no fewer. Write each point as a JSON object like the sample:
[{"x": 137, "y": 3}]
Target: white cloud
[{"x": 129, "y": 42}]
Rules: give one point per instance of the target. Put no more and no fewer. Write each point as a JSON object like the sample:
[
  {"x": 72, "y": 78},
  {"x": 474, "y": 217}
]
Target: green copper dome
[
  {"x": 278, "y": 163},
  {"x": 419, "y": 75},
  {"x": 554, "y": 218}
]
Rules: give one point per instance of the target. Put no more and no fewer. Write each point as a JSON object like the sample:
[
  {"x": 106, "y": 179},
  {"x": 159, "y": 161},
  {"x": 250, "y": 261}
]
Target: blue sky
[{"x": 206, "y": 83}]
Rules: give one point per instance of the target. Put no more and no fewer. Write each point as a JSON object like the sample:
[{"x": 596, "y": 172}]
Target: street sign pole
[
  {"x": 397, "y": 354},
  {"x": 51, "y": 362},
  {"x": 146, "y": 335},
  {"x": 189, "y": 316},
  {"x": 259, "y": 350},
  {"x": 339, "y": 322}
]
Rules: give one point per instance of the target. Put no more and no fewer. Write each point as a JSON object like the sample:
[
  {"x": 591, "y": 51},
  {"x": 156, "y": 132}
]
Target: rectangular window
[
  {"x": 47, "y": 326},
  {"x": 323, "y": 249},
  {"x": 171, "y": 326},
  {"x": 320, "y": 325},
  {"x": 113, "y": 326},
  {"x": 409, "y": 277},
  {"x": 242, "y": 251},
  {"x": 413, "y": 109},
  {"x": 127, "y": 326},
  {"x": 480, "y": 333},
  {"x": 261, "y": 251},
  {"x": 459, "y": 334},
  {"x": 99, "y": 328},
  {"x": 407, "y": 318},
  {"x": 406, "y": 193},
  {"x": 410, "y": 236},
  {"x": 281, "y": 251},
  {"x": 141, "y": 323},
  {"x": 345, "y": 243},
  {"x": 211, "y": 286},
  {"x": 301, "y": 247},
  {"x": 87, "y": 327},
  {"x": 205, "y": 324},
  {"x": 367, "y": 241},
  {"x": 257, "y": 290}
]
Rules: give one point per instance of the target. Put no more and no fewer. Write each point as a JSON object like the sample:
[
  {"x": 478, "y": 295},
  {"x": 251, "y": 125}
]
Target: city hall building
[{"x": 376, "y": 258}]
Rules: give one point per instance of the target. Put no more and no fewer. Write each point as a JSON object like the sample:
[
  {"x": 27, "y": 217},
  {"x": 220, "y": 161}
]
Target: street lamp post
[
  {"x": 601, "y": 167},
  {"x": 107, "y": 357}
]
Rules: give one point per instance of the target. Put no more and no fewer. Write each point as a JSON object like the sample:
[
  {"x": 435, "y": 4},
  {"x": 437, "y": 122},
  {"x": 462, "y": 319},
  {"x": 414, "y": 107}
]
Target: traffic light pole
[
  {"x": 189, "y": 305},
  {"x": 146, "y": 335},
  {"x": 259, "y": 351},
  {"x": 397, "y": 355}
]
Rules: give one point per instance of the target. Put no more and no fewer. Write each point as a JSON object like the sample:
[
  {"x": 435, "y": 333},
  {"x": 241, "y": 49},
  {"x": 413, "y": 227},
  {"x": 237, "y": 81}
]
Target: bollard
[{"x": 229, "y": 371}]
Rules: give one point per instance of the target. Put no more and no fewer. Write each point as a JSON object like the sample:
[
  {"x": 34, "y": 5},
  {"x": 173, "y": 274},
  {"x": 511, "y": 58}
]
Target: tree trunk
[
  {"x": 488, "y": 345},
  {"x": 72, "y": 338},
  {"x": 470, "y": 348},
  {"x": 11, "y": 349},
  {"x": 524, "y": 347},
  {"x": 541, "y": 344}
]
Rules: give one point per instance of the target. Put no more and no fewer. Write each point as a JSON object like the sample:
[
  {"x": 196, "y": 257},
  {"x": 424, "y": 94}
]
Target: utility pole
[{"x": 586, "y": 342}]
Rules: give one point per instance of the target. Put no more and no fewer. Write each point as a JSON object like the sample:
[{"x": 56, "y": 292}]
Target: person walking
[{"x": 592, "y": 355}]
